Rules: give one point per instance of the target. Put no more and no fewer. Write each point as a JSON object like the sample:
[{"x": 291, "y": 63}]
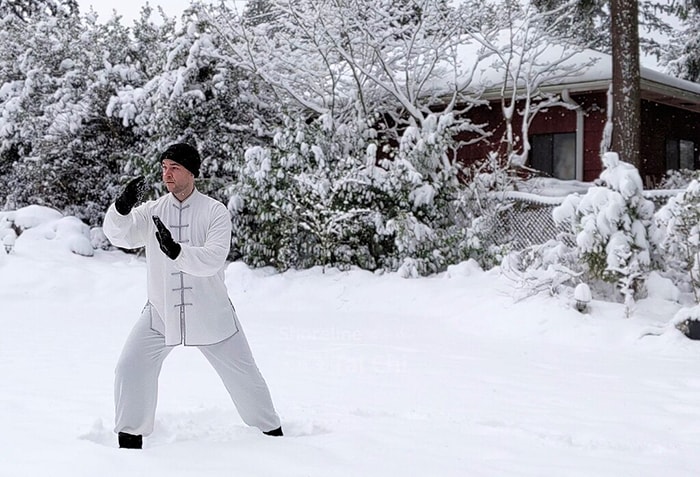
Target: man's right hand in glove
[{"x": 131, "y": 194}]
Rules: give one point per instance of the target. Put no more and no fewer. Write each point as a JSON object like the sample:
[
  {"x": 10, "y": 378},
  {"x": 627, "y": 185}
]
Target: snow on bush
[
  {"x": 44, "y": 228},
  {"x": 320, "y": 195},
  {"x": 611, "y": 226},
  {"x": 549, "y": 267},
  {"x": 677, "y": 233},
  {"x": 662, "y": 288}
]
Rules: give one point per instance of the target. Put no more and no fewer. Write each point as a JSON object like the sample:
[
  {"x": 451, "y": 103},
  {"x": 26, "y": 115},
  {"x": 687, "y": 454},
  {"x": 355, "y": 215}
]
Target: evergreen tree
[
  {"x": 26, "y": 9},
  {"x": 683, "y": 57},
  {"x": 73, "y": 162},
  {"x": 591, "y": 23},
  {"x": 612, "y": 226},
  {"x": 42, "y": 42},
  {"x": 677, "y": 236},
  {"x": 195, "y": 95},
  {"x": 15, "y": 142},
  {"x": 258, "y": 12},
  {"x": 304, "y": 201}
]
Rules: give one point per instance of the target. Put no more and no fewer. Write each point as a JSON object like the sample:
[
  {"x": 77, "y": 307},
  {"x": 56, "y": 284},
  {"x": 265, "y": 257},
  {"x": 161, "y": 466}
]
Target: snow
[
  {"x": 589, "y": 68},
  {"x": 372, "y": 374}
]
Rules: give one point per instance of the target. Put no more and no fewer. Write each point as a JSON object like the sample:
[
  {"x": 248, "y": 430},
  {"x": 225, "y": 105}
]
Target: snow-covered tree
[
  {"x": 42, "y": 42},
  {"x": 321, "y": 196},
  {"x": 65, "y": 152},
  {"x": 429, "y": 219},
  {"x": 303, "y": 201},
  {"x": 677, "y": 235},
  {"x": 358, "y": 58},
  {"x": 683, "y": 57},
  {"x": 611, "y": 225},
  {"x": 257, "y": 12},
  {"x": 195, "y": 96},
  {"x": 26, "y": 9},
  {"x": 590, "y": 22},
  {"x": 375, "y": 89},
  {"x": 14, "y": 140},
  {"x": 521, "y": 47}
]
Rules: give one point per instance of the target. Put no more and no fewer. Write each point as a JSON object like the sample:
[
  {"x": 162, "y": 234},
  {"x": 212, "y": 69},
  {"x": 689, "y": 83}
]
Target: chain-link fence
[{"x": 527, "y": 220}]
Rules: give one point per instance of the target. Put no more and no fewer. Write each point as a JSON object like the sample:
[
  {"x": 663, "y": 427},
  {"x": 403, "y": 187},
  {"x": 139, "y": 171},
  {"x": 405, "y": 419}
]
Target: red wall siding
[
  {"x": 659, "y": 122},
  {"x": 490, "y": 116},
  {"x": 595, "y": 108},
  {"x": 552, "y": 120}
]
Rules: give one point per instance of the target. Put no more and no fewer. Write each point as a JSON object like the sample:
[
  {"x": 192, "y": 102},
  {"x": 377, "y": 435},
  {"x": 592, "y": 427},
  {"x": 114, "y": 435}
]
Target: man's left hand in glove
[{"x": 165, "y": 239}]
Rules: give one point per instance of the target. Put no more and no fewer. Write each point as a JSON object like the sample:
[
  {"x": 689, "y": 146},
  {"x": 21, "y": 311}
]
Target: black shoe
[
  {"x": 130, "y": 441},
  {"x": 274, "y": 432}
]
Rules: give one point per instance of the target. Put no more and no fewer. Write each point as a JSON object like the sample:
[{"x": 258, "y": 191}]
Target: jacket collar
[{"x": 187, "y": 201}]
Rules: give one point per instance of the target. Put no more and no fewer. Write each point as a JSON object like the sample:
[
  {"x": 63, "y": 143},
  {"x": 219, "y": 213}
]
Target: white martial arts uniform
[{"x": 187, "y": 304}]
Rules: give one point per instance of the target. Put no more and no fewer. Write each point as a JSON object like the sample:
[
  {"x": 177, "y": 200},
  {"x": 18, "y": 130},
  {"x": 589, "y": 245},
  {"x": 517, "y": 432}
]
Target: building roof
[{"x": 586, "y": 70}]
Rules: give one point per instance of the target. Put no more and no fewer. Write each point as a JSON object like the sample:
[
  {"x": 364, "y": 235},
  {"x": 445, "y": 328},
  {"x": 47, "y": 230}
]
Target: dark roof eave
[
  {"x": 581, "y": 87},
  {"x": 651, "y": 90}
]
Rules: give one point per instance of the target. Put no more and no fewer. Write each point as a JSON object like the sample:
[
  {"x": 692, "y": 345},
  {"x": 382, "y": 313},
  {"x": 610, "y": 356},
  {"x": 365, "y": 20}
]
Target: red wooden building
[{"x": 566, "y": 143}]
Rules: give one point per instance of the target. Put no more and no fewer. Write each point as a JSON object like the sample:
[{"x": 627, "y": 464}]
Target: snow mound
[
  {"x": 45, "y": 230},
  {"x": 464, "y": 269},
  {"x": 34, "y": 215},
  {"x": 661, "y": 288}
]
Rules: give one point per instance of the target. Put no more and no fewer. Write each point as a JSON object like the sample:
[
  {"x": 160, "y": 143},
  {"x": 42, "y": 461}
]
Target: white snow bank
[
  {"x": 372, "y": 375},
  {"x": 46, "y": 230}
]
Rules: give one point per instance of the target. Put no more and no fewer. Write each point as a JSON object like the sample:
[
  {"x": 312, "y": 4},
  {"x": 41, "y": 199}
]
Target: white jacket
[{"x": 187, "y": 296}]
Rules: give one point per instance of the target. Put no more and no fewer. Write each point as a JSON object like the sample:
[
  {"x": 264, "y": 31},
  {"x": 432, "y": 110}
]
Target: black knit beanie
[{"x": 185, "y": 155}]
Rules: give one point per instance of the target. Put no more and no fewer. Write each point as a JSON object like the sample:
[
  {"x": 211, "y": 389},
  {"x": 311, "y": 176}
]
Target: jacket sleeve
[
  {"x": 126, "y": 231},
  {"x": 208, "y": 259}
]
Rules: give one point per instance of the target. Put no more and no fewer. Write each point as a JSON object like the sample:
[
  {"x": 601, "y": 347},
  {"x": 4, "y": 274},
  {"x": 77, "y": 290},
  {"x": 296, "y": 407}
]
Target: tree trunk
[{"x": 626, "y": 90}]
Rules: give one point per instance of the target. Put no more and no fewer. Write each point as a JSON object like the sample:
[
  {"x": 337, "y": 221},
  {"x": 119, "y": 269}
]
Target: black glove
[
  {"x": 130, "y": 196},
  {"x": 169, "y": 246}
]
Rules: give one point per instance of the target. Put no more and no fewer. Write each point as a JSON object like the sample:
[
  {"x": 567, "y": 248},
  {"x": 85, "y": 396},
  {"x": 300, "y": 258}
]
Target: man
[{"x": 187, "y": 236}]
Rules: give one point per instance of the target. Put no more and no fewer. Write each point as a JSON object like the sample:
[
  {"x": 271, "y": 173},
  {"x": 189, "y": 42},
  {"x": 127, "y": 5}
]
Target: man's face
[{"x": 177, "y": 179}]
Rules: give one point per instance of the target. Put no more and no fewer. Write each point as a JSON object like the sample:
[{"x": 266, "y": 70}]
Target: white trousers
[{"x": 136, "y": 379}]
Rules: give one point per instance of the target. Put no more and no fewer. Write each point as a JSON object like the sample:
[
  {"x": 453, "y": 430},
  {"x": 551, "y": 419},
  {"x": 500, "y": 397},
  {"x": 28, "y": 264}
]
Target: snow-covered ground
[{"x": 372, "y": 375}]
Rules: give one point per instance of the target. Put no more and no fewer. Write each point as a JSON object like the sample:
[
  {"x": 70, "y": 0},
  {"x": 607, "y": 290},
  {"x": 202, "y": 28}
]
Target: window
[
  {"x": 680, "y": 154},
  {"x": 554, "y": 154}
]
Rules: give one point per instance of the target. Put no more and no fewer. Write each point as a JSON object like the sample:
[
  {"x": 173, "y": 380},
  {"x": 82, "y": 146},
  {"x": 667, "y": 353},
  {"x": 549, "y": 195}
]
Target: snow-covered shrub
[
  {"x": 547, "y": 267},
  {"x": 611, "y": 225},
  {"x": 321, "y": 196},
  {"x": 64, "y": 151},
  {"x": 429, "y": 219},
  {"x": 394, "y": 197},
  {"x": 678, "y": 179},
  {"x": 677, "y": 234},
  {"x": 481, "y": 207},
  {"x": 307, "y": 200},
  {"x": 687, "y": 321}
]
